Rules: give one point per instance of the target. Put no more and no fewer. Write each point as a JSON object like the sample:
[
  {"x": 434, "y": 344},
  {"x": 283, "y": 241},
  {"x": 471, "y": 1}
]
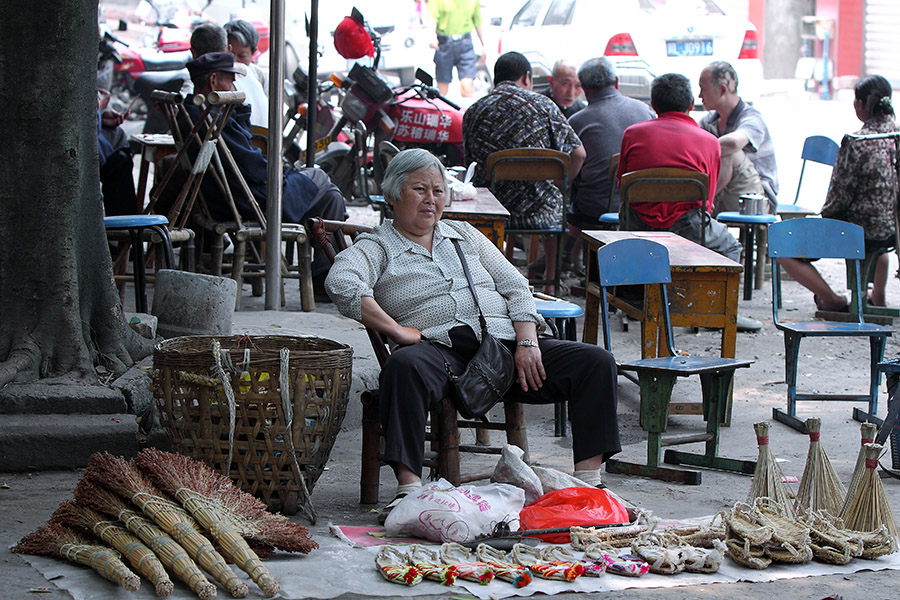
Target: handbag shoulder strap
[{"x": 465, "y": 267}]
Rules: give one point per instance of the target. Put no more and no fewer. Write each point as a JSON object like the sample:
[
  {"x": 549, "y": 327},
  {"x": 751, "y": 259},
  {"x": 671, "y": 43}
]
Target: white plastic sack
[
  {"x": 440, "y": 512},
  {"x": 513, "y": 470},
  {"x": 552, "y": 480}
]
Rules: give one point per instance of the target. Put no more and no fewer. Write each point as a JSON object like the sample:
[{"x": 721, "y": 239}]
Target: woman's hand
[
  {"x": 530, "y": 367},
  {"x": 407, "y": 336}
]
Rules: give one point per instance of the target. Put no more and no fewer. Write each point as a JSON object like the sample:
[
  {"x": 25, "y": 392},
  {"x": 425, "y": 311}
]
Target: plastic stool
[
  {"x": 749, "y": 225},
  {"x": 135, "y": 225},
  {"x": 611, "y": 218},
  {"x": 560, "y": 316}
]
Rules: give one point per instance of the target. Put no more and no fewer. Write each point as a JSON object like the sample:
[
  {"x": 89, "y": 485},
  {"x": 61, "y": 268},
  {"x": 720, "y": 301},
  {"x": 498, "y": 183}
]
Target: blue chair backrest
[
  {"x": 633, "y": 262},
  {"x": 816, "y": 238},
  {"x": 820, "y": 149}
]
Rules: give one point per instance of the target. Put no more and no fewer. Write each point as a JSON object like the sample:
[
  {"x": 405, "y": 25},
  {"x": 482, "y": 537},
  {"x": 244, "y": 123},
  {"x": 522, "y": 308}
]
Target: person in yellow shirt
[{"x": 454, "y": 22}]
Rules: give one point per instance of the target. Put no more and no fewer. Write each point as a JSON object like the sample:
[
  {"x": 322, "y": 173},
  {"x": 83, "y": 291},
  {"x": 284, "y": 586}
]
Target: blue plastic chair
[
  {"x": 135, "y": 225},
  {"x": 642, "y": 262},
  {"x": 751, "y": 234},
  {"x": 820, "y": 149},
  {"x": 822, "y": 238},
  {"x": 560, "y": 316}
]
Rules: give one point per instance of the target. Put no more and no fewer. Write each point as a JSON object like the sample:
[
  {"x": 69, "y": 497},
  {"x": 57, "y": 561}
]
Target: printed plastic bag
[
  {"x": 552, "y": 479},
  {"x": 513, "y": 470},
  {"x": 571, "y": 506},
  {"x": 442, "y": 513}
]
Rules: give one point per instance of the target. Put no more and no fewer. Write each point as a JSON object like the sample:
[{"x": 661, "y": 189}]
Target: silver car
[{"x": 644, "y": 38}]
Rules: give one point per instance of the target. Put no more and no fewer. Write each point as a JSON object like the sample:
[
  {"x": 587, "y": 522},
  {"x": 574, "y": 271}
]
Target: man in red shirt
[{"x": 674, "y": 139}]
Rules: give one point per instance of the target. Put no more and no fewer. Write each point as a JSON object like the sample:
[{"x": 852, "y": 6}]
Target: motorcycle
[{"x": 381, "y": 120}]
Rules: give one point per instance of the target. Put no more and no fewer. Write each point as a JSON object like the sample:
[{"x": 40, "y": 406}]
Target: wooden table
[
  {"x": 154, "y": 146},
  {"x": 484, "y": 212},
  {"x": 703, "y": 293}
]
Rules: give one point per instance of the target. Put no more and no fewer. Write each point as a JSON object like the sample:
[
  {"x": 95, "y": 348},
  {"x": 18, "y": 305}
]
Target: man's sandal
[
  {"x": 554, "y": 570},
  {"x": 624, "y": 564},
  {"x": 560, "y": 554}
]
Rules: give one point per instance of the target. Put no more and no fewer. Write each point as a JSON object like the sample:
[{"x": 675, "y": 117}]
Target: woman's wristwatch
[{"x": 527, "y": 342}]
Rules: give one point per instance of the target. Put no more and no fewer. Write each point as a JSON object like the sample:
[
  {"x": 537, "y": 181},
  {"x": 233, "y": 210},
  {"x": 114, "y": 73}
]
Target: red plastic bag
[{"x": 571, "y": 506}]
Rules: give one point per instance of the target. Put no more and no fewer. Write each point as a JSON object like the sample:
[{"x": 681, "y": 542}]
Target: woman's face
[{"x": 421, "y": 202}]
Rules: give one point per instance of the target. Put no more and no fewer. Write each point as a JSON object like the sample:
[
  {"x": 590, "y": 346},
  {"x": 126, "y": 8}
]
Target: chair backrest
[
  {"x": 613, "y": 170},
  {"x": 260, "y": 138},
  {"x": 815, "y": 238},
  {"x": 820, "y": 149},
  {"x": 664, "y": 184},
  {"x": 528, "y": 164},
  {"x": 633, "y": 262}
]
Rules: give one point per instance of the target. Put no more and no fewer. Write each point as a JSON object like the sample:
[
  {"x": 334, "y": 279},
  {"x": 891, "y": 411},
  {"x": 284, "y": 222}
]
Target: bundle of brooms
[
  {"x": 868, "y": 508},
  {"x": 162, "y": 533},
  {"x": 767, "y": 478},
  {"x": 820, "y": 488}
]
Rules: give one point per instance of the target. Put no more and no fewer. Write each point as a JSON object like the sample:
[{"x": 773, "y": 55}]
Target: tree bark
[{"x": 60, "y": 314}]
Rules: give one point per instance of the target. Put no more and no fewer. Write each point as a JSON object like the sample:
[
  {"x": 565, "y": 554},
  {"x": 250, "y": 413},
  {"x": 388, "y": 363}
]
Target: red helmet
[{"x": 352, "y": 40}]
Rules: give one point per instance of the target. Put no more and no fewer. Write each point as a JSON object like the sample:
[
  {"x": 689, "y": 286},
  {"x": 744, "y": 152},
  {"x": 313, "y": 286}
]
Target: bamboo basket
[{"x": 198, "y": 378}]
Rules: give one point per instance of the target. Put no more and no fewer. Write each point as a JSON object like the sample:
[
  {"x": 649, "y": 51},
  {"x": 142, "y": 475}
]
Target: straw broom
[
  {"x": 868, "y": 509},
  {"x": 121, "y": 477},
  {"x": 168, "y": 550},
  {"x": 140, "y": 556},
  {"x": 58, "y": 541},
  {"x": 820, "y": 488},
  {"x": 182, "y": 477},
  {"x": 867, "y": 434},
  {"x": 245, "y": 512},
  {"x": 767, "y": 480}
]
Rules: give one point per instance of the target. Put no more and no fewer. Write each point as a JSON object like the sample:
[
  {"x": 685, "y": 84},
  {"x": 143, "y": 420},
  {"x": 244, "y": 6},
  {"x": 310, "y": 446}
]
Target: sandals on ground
[
  {"x": 392, "y": 565},
  {"x": 428, "y": 562},
  {"x": 505, "y": 570}
]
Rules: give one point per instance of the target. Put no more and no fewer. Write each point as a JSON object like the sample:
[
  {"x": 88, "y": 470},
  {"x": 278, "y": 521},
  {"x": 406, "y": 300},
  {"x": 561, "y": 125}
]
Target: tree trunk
[{"x": 60, "y": 314}]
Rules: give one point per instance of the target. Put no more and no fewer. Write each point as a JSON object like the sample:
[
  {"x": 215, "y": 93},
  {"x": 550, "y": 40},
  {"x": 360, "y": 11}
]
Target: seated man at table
[
  {"x": 307, "y": 193},
  {"x": 565, "y": 88},
  {"x": 513, "y": 116},
  {"x": 674, "y": 139},
  {"x": 748, "y": 155}
]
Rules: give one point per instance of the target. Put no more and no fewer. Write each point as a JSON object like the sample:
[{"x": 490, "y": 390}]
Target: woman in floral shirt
[{"x": 864, "y": 190}]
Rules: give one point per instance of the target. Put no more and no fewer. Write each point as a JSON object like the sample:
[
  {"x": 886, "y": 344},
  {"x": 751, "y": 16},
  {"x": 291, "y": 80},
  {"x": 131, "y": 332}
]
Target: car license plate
[{"x": 689, "y": 47}]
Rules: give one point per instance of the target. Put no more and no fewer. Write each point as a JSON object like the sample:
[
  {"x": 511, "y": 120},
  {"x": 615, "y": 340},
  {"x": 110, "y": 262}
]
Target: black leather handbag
[{"x": 489, "y": 374}]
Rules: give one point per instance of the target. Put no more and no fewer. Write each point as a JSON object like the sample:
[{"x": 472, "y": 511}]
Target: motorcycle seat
[
  {"x": 165, "y": 61},
  {"x": 170, "y": 81}
]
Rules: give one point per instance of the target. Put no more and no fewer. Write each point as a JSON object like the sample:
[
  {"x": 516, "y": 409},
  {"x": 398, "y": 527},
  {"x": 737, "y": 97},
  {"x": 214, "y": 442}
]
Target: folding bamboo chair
[{"x": 211, "y": 151}]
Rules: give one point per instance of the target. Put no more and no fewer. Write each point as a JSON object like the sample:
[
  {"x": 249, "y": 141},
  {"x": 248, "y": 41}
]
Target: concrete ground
[{"x": 28, "y": 499}]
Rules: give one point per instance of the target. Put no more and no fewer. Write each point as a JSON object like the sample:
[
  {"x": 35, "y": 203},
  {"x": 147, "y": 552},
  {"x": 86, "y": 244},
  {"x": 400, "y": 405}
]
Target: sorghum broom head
[
  {"x": 170, "y": 552},
  {"x": 767, "y": 478},
  {"x": 182, "y": 477},
  {"x": 820, "y": 488},
  {"x": 116, "y": 535},
  {"x": 247, "y": 513},
  {"x": 867, "y": 436},
  {"x": 868, "y": 509},
  {"x": 56, "y": 540}
]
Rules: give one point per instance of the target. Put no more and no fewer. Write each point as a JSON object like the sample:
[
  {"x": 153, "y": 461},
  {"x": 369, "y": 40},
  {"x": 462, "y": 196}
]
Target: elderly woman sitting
[{"x": 406, "y": 281}]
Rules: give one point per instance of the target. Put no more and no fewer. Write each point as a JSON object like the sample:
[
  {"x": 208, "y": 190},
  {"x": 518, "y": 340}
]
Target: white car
[{"x": 644, "y": 38}]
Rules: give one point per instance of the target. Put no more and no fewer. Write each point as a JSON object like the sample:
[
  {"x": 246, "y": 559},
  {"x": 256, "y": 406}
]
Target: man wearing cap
[
  {"x": 307, "y": 193},
  {"x": 454, "y": 21}
]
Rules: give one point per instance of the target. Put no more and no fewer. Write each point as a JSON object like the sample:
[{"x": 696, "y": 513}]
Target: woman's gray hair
[{"x": 405, "y": 163}]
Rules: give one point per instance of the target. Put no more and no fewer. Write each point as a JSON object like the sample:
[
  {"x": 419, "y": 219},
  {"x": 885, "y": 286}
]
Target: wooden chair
[
  {"x": 211, "y": 158},
  {"x": 444, "y": 456},
  {"x": 664, "y": 184},
  {"x": 643, "y": 262},
  {"x": 534, "y": 164},
  {"x": 822, "y": 238}
]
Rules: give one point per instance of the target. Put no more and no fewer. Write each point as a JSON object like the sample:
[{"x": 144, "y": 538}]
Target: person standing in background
[{"x": 454, "y": 22}]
